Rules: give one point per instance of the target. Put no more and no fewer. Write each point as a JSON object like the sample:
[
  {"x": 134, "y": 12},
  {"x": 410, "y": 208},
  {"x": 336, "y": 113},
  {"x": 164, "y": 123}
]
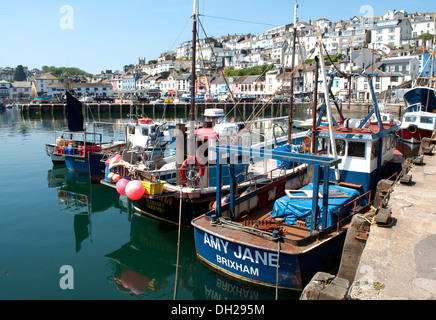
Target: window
[
  {"x": 375, "y": 149},
  {"x": 428, "y": 120},
  {"x": 356, "y": 149},
  {"x": 377, "y": 86},
  {"x": 322, "y": 146},
  {"x": 145, "y": 131},
  {"x": 340, "y": 147},
  {"x": 410, "y": 119},
  {"x": 131, "y": 129}
]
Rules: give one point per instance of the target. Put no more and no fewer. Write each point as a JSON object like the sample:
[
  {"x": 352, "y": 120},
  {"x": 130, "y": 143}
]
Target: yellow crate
[{"x": 153, "y": 187}]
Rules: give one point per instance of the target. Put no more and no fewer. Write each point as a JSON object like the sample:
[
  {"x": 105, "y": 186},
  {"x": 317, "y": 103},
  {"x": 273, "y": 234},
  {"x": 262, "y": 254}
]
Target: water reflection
[
  {"x": 145, "y": 265},
  {"x": 77, "y": 196}
]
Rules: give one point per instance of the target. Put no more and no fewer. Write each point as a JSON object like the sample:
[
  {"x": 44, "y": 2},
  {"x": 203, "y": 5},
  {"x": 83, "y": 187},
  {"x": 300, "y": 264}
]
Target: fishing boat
[
  {"x": 179, "y": 190},
  {"x": 72, "y": 147},
  {"x": 417, "y": 125},
  {"x": 419, "y": 119},
  {"x": 170, "y": 185},
  {"x": 277, "y": 235},
  {"x": 56, "y": 151},
  {"x": 420, "y": 99}
]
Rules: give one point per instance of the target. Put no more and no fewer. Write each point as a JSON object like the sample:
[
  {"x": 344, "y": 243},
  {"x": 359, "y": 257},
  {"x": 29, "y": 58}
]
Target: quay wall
[{"x": 243, "y": 110}]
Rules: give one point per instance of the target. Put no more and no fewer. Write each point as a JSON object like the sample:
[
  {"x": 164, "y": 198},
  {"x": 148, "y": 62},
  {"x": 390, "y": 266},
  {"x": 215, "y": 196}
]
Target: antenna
[
  {"x": 195, "y": 12},
  {"x": 295, "y": 13}
]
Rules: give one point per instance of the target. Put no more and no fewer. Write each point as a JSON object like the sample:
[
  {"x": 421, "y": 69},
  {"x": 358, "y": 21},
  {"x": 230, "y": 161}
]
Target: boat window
[
  {"x": 428, "y": 120},
  {"x": 393, "y": 140},
  {"x": 356, "y": 149},
  {"x": 375, "y": 149},
  {"x": 322, "y": 146},
  {"x": 131, "y": 130},
  {"x": 145, "y": 131},
  {"x": 340, "y": 147},
  {"x": 410, "y": 119}
]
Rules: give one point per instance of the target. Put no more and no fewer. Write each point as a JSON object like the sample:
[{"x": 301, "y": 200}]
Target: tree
[
  {"x": 63, "y": 72},
  {"x": 426, "y": 35},
  {"x": 19, "y": 74}
]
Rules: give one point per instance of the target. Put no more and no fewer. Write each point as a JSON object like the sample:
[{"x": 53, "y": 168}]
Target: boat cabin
[
  {"x": 148, "y": 134},
  {"x": 359, "y": 149}
]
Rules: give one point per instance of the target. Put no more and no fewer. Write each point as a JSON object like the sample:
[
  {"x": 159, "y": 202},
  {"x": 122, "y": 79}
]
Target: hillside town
[{"x": 396, "y": 47}]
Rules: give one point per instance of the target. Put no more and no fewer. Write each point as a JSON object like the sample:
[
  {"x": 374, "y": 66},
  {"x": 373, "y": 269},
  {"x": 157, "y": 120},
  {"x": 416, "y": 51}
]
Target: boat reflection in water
[
  {"x": 78, "y": 196},
  {"x": 145, "y": 267}
]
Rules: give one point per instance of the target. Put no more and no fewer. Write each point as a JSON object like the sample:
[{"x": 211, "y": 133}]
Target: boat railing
[
  {"x": 347, "y": 205},
  {"x": 76, "y": 146}
]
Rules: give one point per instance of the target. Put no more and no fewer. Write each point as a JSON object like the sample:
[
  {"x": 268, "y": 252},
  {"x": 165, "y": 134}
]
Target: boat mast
[
  {"x": 291, "y": 98},
  {"x": 193, "y": 81},
  {"x": 432, "y": 85},
  {"x": 328, "y": 108}
]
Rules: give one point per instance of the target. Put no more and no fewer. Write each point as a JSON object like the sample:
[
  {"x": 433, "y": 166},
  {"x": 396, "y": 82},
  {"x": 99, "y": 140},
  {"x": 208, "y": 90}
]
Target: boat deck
[{"x": 262, "y": 220}]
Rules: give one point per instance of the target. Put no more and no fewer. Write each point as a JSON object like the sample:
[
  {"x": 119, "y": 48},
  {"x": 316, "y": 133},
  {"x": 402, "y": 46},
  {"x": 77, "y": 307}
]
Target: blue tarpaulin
[{"x": 301, "y": 209}]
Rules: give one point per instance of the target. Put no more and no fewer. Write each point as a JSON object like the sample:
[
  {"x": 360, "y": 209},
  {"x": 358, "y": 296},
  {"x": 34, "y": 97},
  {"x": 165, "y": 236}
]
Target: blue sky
[{"x": 110, "y": 34}]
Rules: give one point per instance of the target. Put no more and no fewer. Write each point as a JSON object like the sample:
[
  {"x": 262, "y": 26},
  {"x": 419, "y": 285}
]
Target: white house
[
  {"x": 183, "y": 83},
  {"x": 390, "y": 73},
  {"x": 20, "y": 90},
  {"x": 101, "y": 89},
  {"x": 42, "y": 82},
  {"x": 4, "y": 88},
  {"x": 391, "y": 32},
  {"x": 168, "y": 85},
  {"x": 421, "y": 24}
]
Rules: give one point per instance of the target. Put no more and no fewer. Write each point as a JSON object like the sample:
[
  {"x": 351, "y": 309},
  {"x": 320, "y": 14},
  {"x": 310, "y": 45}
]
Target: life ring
[
  {"x": 412, "y": 128},
  {"x": 195, "y": 178},
  {"x": 145, "y": 120}
]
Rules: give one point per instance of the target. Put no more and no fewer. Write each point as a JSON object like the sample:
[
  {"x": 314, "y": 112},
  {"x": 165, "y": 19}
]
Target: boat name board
[{"x": 240, "y": 255}]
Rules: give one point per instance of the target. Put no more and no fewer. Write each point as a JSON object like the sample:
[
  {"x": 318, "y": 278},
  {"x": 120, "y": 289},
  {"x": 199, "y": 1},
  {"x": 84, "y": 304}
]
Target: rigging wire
[{"x": 239, "y": 20}]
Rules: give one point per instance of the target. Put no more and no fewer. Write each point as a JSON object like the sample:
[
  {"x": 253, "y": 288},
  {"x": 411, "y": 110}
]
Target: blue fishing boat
[
  {"x": 73, "y": 146},
  {"x": 420, "y": 99},
  {"x": 279, "y": 235}
]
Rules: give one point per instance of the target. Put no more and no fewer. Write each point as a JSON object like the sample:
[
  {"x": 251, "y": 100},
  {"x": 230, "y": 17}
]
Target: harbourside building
[
  {"x": 5, "y": 86},
  {"x": 102, "y": 89},
  {"x": 42, "y": 82},
  {"x": 21, "y": 90}
]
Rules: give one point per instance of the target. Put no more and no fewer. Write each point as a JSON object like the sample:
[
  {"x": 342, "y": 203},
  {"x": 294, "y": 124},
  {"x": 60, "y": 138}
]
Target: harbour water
[{"x": 51, "y": 218}]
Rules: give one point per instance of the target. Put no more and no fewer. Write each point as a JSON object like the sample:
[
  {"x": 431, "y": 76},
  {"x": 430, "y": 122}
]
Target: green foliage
[
  {"x": 19, "y": 74},
  {"x": 335, "y": 58},
  {"x": 152, "y": 61},
  {"x": 257, "y": 70},
  {"x": 182, "y": 71},
  {"x": 63, "y": 72},
  {"x": 426, "y": 35}
]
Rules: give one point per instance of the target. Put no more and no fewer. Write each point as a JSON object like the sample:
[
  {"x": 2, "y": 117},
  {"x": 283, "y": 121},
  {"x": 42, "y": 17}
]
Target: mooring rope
[{"x": 178, "y": 245}]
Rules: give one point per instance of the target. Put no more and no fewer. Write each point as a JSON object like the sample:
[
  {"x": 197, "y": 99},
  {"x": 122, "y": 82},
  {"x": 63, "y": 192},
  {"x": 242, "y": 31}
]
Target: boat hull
[
  {"x": 266, "y": 266},
  {"x": 167, "y": 209},
  {"x": 411, "y": 136},
  {"x": 55, "y": 157},
  {"x": 91, "y": 164}
]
